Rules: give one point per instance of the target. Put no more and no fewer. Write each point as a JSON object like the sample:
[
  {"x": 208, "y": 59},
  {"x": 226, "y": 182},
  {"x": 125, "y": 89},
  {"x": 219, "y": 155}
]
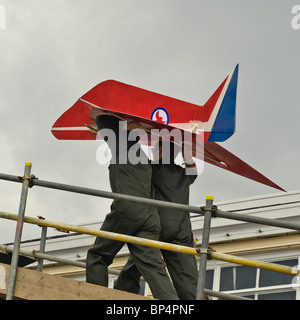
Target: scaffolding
[{"x": 209, "y": 211}]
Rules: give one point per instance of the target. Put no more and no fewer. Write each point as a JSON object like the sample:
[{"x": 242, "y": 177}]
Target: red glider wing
[
  {"x": 216, "y": 117},
  {"x": 83, "y": 111},
  {"x": 155, "y": 111},
  {"x": 222, "y": 158}
]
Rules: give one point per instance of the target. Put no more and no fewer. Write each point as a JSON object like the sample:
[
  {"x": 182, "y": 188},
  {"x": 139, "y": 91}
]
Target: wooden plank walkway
[{"x": 34, "y": 285}]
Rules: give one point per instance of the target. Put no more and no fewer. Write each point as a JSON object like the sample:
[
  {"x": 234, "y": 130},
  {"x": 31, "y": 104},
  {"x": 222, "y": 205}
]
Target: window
[
  {"x": 143, "y": 285},
  {"x": 271, "y": 278},
  {"x": 290, "y": 295},
  {"x": 252, "y": 282},
  {"x": 143, "y": 288},
  {"x": 209, "y": 279},
  {"x": 235, "y": 278}
]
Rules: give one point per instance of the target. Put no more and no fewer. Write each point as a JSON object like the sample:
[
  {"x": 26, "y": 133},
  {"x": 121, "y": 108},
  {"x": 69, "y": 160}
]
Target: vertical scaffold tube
[
  {"x": 42, "y": 248},
  {"x": 18, "y": 235},
  {"x": 203, "y": 250}
]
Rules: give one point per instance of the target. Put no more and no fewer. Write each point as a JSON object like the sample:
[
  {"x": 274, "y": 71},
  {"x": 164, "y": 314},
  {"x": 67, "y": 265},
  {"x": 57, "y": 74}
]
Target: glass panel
[
  {"x": 236, "y": 278},
  {"x": 278, "y": 296},
  {"x": 142, "y": 288},
  {"x": 226, "y": 282},
  {"x": 272, "y": 278},
  {"x": 209, "y": 279},
  {"x": 245, "y": 277}
]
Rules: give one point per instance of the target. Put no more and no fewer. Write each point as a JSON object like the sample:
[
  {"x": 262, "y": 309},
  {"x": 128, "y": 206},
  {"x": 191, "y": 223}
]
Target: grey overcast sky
[{"x": 53, "y": 51}]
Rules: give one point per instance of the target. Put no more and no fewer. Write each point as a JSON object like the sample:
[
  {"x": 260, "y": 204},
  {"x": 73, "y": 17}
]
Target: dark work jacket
[
  {"x": 171, "y": 184},
  {"x": 127, "y": 178}
]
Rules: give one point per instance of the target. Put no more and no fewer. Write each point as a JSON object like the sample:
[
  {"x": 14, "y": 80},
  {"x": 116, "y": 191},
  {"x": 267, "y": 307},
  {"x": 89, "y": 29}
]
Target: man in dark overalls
[
  {"x": 171, "y": 183},
  {"x": 127, "y": 217}
]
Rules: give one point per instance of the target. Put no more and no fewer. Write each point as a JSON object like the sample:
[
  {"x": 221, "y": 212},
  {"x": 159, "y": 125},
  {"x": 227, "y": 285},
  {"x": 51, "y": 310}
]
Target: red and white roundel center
[{"x": 160, "y": 115}]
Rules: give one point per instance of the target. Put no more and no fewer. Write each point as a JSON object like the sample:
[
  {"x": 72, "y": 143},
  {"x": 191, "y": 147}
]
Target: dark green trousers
[
  {"x": 130, "y": 219},
  {"x": 182, "y": 267}
]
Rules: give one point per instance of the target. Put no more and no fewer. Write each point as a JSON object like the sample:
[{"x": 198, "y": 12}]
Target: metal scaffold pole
[
  {"x": 204, "y": 249},
  {"x": 18, "y": 235},
  {"x": 209, "y": 211},
  {"x": 42, "y": 247},
  {"x": 152, "y": 243},
  {"x": 153, "y": 202}
]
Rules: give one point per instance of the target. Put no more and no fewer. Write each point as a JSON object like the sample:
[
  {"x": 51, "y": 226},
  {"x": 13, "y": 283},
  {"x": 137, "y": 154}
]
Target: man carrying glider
[
  {"x": 171, "y": 183},
  {"x": 128, "y": 217}
]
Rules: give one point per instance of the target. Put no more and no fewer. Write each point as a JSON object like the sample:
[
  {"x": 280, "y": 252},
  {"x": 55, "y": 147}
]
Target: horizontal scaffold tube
[
  {"x": 103, "y": 234},
  {"x": 38, "y": 255},
  {"x": 157, "y": 203},
  {"x": 253, "y": 263},
  {"x": 151, "y": 243}
]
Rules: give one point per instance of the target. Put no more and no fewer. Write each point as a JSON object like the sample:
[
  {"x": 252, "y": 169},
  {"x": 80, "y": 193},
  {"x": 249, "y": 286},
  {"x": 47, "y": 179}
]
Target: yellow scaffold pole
[
  {"x": 103, "y": 234},
  {"x": 156, "y": 244},
  {"x": 253, "y": 263}
]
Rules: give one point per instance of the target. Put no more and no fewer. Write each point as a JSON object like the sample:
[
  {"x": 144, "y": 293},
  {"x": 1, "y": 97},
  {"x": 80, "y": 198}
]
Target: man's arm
[{"x": 188, "y": 160}]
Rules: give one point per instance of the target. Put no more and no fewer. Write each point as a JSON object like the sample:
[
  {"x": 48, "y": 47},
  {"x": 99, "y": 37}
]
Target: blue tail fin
[{"x": 223, "y": 126}]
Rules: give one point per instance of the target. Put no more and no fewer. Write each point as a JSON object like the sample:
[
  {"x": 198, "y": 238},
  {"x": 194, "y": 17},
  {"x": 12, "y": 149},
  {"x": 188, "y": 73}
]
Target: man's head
[
  {"x": 109, "y": 121},
  {"x": 165, "y": 152}
]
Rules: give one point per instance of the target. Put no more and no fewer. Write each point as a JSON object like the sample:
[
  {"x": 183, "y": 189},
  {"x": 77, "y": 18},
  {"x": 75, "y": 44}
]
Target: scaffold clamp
[
  {"x": 212, "y": 208},
  {"x": 207, "y": 251},
  {"x": 30, "y": 179}
]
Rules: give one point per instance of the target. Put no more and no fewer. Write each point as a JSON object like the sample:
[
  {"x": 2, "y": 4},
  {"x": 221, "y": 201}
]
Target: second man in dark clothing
[{"x": 171, "y": 183}]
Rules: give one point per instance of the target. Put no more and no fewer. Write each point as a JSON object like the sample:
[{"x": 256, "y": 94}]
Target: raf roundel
[{"x": 160, "y": 115}]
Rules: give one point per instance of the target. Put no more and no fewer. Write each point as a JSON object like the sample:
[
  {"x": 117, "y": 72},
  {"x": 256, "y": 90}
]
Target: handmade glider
[{"x": 215, "y": 119}]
